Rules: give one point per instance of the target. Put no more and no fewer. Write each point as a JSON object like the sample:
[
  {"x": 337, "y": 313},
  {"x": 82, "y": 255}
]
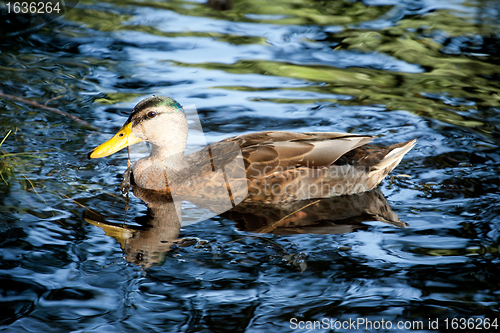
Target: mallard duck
[{"x": 266, "y": 167}]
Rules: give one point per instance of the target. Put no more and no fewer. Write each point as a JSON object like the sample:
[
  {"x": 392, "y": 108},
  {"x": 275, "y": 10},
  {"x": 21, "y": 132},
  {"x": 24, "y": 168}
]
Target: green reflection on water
[
  {"x": 456, "y": 251},
  {"x": 110, "y": 21},
  {"x": 359, "y": 77},
  {"x": 296, "y": 12},
  {"x": 15, "y": 165},
  {"x": 114, "y": 98},
  {"x": 397, "y": 91}
]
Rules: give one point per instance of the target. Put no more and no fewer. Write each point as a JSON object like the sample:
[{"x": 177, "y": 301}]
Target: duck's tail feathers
[{"x": 395, "y": 156}]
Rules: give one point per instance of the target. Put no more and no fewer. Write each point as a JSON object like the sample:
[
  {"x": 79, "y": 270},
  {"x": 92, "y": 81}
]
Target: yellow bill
[{"x": 120, "y": 140}]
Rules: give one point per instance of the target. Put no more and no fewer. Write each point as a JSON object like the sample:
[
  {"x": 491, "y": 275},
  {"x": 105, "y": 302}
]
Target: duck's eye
[{"x": 152, "y": 114}]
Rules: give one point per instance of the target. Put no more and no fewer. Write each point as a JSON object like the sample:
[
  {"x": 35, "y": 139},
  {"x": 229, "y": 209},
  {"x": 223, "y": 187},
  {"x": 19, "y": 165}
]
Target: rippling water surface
[{"x": 70, "y": 249}]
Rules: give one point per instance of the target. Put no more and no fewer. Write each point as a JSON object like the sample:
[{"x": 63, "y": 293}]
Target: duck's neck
[{"x": 171, "y": 158}]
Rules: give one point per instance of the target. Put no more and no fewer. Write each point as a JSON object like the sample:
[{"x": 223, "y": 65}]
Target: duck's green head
[{"x": 156, "y": 119}]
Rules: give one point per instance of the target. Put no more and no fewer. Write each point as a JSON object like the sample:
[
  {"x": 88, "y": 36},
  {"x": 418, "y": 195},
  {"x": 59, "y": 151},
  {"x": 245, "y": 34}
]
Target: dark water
[{"x": 397, "y": 70}]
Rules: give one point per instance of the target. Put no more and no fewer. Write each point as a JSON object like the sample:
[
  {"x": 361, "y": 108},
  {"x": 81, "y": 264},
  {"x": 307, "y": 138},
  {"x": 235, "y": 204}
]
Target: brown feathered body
[{"x": 277, "y": 166}]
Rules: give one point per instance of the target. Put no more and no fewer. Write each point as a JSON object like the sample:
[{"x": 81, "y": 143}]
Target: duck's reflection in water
[
  {"x": 148, "y": 242},
  {"x": 336, "y": 215}
]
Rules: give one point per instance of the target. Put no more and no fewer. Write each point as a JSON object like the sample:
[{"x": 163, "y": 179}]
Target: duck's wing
[
  {"x": 265, "y": 153},
  {"x": 377, "y": 158}
]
